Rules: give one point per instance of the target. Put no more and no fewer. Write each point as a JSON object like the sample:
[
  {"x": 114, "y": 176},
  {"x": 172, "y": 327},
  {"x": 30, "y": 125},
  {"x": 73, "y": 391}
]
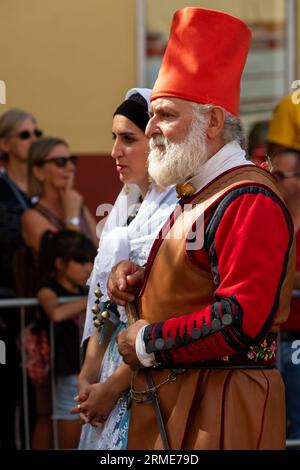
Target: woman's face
[
  {"x": 17, "y": 144},
  {"x": 130, "y": 151},
  {"x": 58, "y": 170},
  {"x": 77, "y": 273}
]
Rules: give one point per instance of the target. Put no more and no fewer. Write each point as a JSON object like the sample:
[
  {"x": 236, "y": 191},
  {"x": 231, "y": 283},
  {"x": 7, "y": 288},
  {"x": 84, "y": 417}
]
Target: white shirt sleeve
[{"x": 145, "y": 358}]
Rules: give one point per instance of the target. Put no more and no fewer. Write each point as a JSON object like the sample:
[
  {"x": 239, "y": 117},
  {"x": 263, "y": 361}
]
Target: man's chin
[
  {"x": 164, "y": 181},
  {"x": 159, "y": 153}
]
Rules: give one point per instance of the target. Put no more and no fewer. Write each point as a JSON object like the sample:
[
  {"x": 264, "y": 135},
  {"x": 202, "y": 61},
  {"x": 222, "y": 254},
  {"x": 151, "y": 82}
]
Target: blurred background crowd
[{"x": 65, "y": 66}]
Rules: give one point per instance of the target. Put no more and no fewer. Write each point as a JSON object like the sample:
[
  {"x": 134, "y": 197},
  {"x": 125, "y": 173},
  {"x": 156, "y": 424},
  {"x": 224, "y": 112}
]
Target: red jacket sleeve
[{"x": 248, "y": 239}]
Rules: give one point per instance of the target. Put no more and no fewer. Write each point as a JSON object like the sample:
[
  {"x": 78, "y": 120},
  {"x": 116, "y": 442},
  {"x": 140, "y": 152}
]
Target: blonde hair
[
  {"x": 9, "y": 124},
  {"x": 38, "y": 152}
]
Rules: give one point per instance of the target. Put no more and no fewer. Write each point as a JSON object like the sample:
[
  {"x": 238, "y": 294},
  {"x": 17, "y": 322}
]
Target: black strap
[
  {"x": 52, "y": 218},
  {"x": 157, "y": 410}
]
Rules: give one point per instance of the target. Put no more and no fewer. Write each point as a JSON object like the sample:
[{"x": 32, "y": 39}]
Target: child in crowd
[{"x": 66, "y": 263}]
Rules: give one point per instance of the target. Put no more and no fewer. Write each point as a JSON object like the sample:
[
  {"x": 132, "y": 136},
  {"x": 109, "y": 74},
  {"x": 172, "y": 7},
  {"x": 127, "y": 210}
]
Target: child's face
[{"x": 78, "y": 273}]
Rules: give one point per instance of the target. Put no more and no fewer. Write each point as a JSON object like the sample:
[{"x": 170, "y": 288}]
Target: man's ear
[{"x": 216, "y": 122}]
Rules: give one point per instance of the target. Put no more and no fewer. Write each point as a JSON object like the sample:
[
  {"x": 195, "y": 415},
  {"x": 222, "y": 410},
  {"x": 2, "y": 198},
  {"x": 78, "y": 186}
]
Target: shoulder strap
[
  {"x": 237, "y": 177},
  {"x": 49, "y": 216}
]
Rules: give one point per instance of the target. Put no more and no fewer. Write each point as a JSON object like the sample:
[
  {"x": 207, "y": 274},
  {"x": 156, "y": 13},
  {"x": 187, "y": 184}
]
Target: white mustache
[{"x": 156, "y": 141}]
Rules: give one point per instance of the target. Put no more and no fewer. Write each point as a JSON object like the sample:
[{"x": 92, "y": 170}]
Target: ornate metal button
[
  {"x": 159, "y": 344},
  {"x": 227, "y": 319},
  {"x": 105, "y": 315},
  {"x": 196, "y": 333},
  {"x": 98, "y": 293},
  {"x": 95, "y": 309}
]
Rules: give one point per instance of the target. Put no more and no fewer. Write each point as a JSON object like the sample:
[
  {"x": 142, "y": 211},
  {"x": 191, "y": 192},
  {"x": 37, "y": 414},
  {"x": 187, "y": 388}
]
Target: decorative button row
[{"x": 186, "y": 338}]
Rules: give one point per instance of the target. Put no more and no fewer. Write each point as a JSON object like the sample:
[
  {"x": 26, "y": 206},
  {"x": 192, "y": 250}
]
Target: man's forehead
[{"x": 171, "y": 103}]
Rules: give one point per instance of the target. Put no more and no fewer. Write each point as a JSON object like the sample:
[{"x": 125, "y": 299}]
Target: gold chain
[{"x": 171, "y": 378}]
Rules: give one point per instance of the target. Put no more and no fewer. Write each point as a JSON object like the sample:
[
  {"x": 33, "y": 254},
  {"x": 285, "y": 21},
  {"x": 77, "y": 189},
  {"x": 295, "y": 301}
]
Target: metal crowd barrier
[
  {"x": 22, "y": 303},
  {"x": 32, "y": 302}
]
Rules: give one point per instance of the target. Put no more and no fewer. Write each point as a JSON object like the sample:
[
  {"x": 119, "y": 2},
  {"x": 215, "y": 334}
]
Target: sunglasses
[
  {"x": 25, "y": 135},
  {"x": 282, "y": 175},
  {"x": 60, "y": 162}
]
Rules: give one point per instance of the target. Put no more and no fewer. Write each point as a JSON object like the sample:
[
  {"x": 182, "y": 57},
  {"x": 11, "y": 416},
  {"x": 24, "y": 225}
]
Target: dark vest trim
[{"x": 209, "y": 244}]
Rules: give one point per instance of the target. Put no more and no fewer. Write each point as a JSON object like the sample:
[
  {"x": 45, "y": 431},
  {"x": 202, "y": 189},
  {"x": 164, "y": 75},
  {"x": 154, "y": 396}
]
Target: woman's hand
[
  {"x": 99, "y": 402},
  {"x": 83, "y": 394},
  {"x": 71, "y": 201}
]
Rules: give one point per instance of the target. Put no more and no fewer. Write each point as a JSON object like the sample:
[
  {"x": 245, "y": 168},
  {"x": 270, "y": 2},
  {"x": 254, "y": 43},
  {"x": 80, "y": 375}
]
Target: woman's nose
[
  {"x": 71, "y": 167},
  {"x": 32, "y": 138},
  {"x": 116, "y": 150}
]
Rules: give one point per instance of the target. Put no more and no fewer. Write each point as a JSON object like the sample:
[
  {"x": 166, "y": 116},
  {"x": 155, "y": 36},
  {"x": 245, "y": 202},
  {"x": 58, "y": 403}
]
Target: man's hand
[
  {"x": 124, "y": 282},
  {"x": 126, "y": 344}
]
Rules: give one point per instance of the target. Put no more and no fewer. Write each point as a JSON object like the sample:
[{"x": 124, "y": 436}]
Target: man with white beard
[{"x": 204, "y": 349}]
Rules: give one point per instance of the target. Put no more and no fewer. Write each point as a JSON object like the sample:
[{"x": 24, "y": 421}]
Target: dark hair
[
  {"x": 135, "y": 108},
  {"x": 67, "y": 245},
  {"x": 257, "y": 135}
]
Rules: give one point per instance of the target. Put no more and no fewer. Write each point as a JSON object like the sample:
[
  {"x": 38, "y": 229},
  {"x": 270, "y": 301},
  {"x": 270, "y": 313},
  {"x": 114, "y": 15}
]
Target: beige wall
[
  {"x": 247, "y": 10},
  {"x": 69, "y": 62}
]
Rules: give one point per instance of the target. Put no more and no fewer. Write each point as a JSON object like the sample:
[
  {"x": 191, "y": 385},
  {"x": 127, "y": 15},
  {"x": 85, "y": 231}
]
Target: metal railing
[{"x": 22, "y": 303}]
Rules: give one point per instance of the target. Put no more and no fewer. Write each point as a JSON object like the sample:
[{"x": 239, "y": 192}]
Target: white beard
[{"x": 178, "y": 162}]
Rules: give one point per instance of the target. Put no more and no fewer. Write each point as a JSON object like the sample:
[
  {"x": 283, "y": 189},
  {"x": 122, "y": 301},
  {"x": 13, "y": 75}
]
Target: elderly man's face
[
  {"x": 178, "y": 141},
  {"x": 170, "y": 117}
]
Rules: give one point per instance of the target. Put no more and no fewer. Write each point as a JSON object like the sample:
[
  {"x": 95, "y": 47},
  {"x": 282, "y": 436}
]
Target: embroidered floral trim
[{"x": 263, "y": 351}]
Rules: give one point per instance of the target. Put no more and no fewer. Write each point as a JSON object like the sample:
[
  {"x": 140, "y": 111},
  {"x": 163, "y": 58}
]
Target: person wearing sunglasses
[
  {"x": 286, "y": 169},
  {"x": 51, "y": 172},
  {"x": 18, "y": 130}
]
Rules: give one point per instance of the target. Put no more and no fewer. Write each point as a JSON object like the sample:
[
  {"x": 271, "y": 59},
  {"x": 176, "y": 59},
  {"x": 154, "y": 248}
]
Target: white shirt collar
[{"x": 229, "y": 156}]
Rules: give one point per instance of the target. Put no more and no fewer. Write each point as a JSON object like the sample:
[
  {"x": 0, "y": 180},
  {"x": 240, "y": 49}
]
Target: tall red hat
[{"x": 204, "y": 58}]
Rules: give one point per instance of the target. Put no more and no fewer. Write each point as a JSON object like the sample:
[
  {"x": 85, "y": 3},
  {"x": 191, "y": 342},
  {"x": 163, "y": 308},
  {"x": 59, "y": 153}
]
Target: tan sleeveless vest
[{"x": 175, "y": 286}]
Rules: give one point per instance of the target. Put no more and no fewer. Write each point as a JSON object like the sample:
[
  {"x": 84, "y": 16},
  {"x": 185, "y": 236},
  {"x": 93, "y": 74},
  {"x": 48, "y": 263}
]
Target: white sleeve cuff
[{"x": 145, "y": 358}]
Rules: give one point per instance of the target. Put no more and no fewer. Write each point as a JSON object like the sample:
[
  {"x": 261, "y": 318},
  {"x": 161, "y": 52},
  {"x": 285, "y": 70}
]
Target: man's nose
[{"x": 152, "y": 128}]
